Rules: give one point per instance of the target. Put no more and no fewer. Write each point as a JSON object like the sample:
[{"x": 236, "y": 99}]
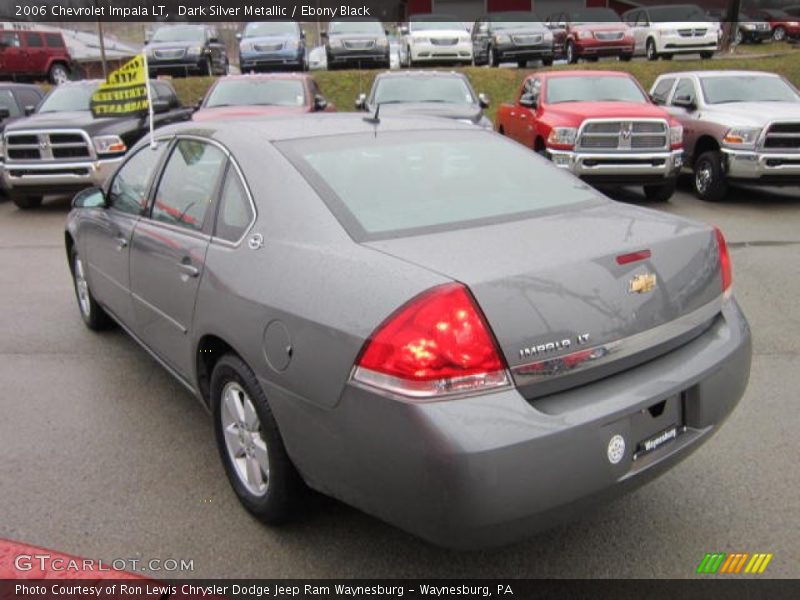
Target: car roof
[
  {"x": 253, "y": 130},
  {"x": 719, "y": 73}
]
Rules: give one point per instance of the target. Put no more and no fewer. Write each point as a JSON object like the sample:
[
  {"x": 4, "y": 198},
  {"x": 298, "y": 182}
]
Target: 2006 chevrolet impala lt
[{"x": 416, "y": 316}]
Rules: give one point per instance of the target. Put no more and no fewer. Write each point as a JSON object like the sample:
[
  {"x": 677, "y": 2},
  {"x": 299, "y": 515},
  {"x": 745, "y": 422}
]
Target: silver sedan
[{"x": 418, "y": 317}]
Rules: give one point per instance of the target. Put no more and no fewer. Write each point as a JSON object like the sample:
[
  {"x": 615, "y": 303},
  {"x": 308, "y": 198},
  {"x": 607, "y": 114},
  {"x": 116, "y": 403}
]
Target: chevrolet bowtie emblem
[{"x": 641, "y": 284}]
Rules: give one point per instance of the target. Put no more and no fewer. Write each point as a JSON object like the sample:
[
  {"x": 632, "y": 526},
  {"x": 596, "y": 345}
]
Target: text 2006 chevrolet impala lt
[{"x": 420, "y": 318}]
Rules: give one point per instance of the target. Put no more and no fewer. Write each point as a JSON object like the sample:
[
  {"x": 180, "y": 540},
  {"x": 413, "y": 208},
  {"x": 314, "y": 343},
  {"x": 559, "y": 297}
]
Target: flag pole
[{"x": 149, "y": 98}]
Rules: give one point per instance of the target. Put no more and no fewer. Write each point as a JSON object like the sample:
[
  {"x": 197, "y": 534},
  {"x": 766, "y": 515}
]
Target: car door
[
  {"x": 524, "y": 121},
  {"x": 106, "y": 232},
  {"x": 36, "y": 53},
  {"x": 558, "y": 25},
  {"x": 13, "y": 57},
  {"x": 688, "y": 117},
  {"x": 169, "y": 247}
]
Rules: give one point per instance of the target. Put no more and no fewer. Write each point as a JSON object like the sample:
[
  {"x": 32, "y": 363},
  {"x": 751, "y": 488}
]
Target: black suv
[
  {"x": 186, "y": 50},
  {"x": 517, "y": 37},
  {"x": 356, "y": 43}
]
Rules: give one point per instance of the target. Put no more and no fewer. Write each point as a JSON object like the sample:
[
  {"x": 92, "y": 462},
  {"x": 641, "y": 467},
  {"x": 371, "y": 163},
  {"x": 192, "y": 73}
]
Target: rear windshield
[
  {"x": 593, "y": 89},
  {"x": 401, "y": 184},
  {"x": 451, "y": 90},
  {"x": 257, "y": 92},
  {"x": 747, "y": 88}
]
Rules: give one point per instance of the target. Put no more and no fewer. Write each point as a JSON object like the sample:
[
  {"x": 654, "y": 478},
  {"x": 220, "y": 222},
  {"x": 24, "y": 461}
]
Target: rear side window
[
  {"x": 189, "y": 184},
  {"x": 235, "y": 211},
  {"x": 34, "y": 40},
  {"x": 661, "y": 91},
  {"x": 53, "y": 40},
  {"x": 399, "y": 184}
]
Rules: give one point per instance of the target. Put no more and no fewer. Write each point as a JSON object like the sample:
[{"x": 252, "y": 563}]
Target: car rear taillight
[
  {"x": 724, "y": 260},
  {"x": 436, "y": 345}
]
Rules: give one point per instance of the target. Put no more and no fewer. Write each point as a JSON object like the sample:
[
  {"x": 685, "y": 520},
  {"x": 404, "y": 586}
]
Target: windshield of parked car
[
  {"x": 7, "y": 101},
  {"x": 255, "y": 92},
  {"x": 747, "y": 88},
  {"x": 68, "y": 98},
  {"x": 406, "y": 183},
  {"x": 179, "y": 34},
  {"x": 593, "y": 89},
  {"x": 270, "y": 28},
  {"x": 432, "y": 25},
  {"x": 452, "y": 90},
  {"x": 594, "y": 15},
  {"x": 667, "y": 14},
  {"x": 373, "y": 27}
]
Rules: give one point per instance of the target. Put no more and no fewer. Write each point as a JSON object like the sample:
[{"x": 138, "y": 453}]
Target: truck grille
[
  {"x": 609, "y": 36},
  {"x": 785, "y": 136},
  {"x": 268, "y": 47},
  {"x": 624, "y": 135},
  {"x": 444, "y": 41},
  {"x": 692, "y": 32},
  {"x": 358, "y": 45},
  {"x": 527, "y": 40},
  {"x": 47, "y": 146},
  {"x": 171, "y": 54}
]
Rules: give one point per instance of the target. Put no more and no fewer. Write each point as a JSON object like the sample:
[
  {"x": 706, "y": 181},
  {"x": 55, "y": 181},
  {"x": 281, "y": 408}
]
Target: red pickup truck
[{"x": 600, "y": 125}]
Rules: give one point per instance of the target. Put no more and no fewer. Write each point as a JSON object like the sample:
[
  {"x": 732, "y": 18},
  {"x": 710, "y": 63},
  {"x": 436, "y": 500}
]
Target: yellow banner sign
[{"x": 124, "y": 93}]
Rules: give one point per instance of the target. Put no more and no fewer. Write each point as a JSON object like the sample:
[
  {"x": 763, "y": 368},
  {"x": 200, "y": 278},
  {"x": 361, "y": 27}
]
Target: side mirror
[
  {"x": 684, "y": 101},
  {"x": 29, "y": 110},
  {"x": 361, "y": 102},
  {"x": 483, "y": 100},
  {"x": 403, "y": 30},
  {"x": 528, "y": 100},
  {"x": 92, "y": 197},
  {"x": 160, "y": 106},
  {"x": 239, "y": 35},
  {"x": 320, "y": 103},
  {"x": 4, "y": 112}
]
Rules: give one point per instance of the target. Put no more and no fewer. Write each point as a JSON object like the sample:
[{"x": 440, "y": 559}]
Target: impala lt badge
[
  {"x": 547, "y": 348},
  {"x": 641, "y": 284}
]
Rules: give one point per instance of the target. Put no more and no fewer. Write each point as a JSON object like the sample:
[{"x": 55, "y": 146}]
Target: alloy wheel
[
  {"x": 247, "y": 449},
  {"x": 703, "y": 177},
  {"x": 82, "y": 287}
]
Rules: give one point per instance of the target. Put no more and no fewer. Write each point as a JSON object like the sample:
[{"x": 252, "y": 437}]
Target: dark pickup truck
[{"x": 61, "y": 148}]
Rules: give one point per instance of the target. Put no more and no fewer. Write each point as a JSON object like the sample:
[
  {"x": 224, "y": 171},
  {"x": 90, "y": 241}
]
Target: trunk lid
[{"x": 544, "y": 280}]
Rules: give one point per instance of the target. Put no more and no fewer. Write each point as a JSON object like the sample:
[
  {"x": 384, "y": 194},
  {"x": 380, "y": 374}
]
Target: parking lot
[{"x": 106, "y": 456}]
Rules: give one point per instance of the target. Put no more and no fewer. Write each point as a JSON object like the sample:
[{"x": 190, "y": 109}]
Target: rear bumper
[
  {"x": 492, "y": 469},
  {"x": 620, "y": 167},
  {"x": 54, "y": 178},
  {"x": 756, "y": 167}
]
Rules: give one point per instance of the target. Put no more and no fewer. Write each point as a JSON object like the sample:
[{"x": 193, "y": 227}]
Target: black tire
[
  {"x": 626, "y": 57},
  {"x": 706, "y": 55},
  {"x": 708, "y": 177},
  {"x": 93, "y": 315},
  {"x": 650, "y": 50},
  {"x": 209, "y": 69},
  {"x": 284, "y": 487},
  {"x": 592, "y": 59},
  {"x": 521, "y": 64},
  {"x": 572, "y": 57},
  {"x": 547, "y": 62},
  {"x": 58, "y": 74},
  {"x": 661, "y": 192},
  {"x": 493, "y": 59},
  {"x": 26, "y": 201},
  {"x": 666, "y": 56}
]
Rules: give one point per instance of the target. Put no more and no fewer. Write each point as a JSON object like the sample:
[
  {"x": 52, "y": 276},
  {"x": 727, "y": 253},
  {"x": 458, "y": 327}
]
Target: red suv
[{"x": 34, "y": 55}]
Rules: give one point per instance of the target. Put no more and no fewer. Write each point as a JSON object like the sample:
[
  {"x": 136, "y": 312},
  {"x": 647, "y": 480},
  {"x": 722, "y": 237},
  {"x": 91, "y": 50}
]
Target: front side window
[
  {"x": 7, "y": 101},
  {"x": 9, "y": 39},
  {"x": 34, "y": 40},
  {"x": 685, "y": 91},
  {"x": 128, "y": 192},
  {"x": 408, "y": 183},
  {"x": 188, "y": 184},
  {"x": 235, "y": 211},
  {"x": 661, "y": 91}
]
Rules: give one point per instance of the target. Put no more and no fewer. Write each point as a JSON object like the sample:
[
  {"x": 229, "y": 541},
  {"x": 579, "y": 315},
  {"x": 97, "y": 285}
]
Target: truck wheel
[
  {"x": 661, "y": 192},
  {"x": 706, "y": 55},
  {"x": 521, "y": 64},
  {"x": 650, "y": 50},
  {"x": 58, "y": 74},
  {"x": 572, "y": 56},
  {"x": 250, "y": 445},
  {"x": 25, "y": 201},
  {"x": 494, "y": 60},
  {"x": 626, "y": 57},
  {"x": 547, "y": 62},
  {"x": 709, "y": 178},
  {"x": 92, "y": 313},
  {"x": 666, "y": 56}
]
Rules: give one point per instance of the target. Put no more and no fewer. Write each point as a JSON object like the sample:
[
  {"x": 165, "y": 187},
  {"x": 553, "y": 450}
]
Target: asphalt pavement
[{"x": 105, "y": 456}]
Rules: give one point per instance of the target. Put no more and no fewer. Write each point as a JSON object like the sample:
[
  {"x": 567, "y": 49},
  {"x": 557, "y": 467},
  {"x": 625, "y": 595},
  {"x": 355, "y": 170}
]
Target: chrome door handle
[{"x": 188, "y": 269}]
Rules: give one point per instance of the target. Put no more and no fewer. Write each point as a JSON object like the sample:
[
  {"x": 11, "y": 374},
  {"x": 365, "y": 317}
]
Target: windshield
[
  {"x": 429, "y": 181},
  {"x": 264, "y": 92},
  {"x": 68, "y": 98},
  {"x": 440, "y": 24},
  {"x": 179, "y": 34},
  {"x": 667, "y": 14},
  {"x": 594, "y": 15},
  {"x": 270, "y": 28},
  {"x": 452, "y": 90},
  {"x": 747, "y": 88},
  {"x": 373, "y": 27},
  {"x": 593, "y": 89}
]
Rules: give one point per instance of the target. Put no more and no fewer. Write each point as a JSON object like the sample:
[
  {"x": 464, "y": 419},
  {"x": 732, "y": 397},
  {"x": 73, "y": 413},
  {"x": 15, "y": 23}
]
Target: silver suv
[{"x": 737, "y": 126}]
